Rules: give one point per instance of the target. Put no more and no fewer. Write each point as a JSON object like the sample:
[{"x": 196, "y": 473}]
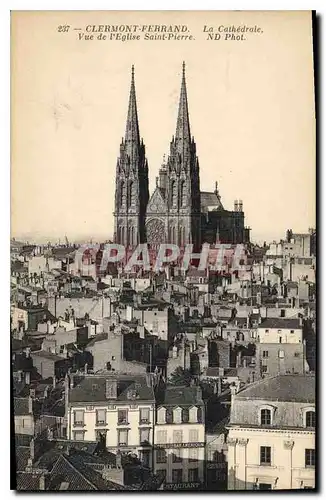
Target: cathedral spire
[
  {"x": 132, "y": 128},
  {"x": 182, "y": 135}
]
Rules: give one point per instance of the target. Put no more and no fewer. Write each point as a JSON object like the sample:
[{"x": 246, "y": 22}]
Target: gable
[{"x": 156, "y": 203}]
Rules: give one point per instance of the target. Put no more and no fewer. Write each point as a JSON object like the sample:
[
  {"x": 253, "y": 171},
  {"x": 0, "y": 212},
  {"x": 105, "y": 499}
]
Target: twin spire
[{"x": 182, "y": 135}]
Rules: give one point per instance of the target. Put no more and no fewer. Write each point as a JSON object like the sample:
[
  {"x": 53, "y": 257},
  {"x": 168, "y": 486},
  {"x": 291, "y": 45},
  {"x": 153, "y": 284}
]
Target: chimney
[
  {"x": 240, "y": 206},
  {"x": 219, "y": 386},
  {"x": 32, "y": 449},
  {"x": 30, "y": 404},
  {"x": 118, "y": 460},
  {"x": 233, "y": 390},
  {"x": 54, "y": 381},
  {"x": 236, "y": 205},
  {"x": 111, "y": 388},
  {"x": 27, "y": 352},
  {"x": 42, "y": 483},
  {"x": 85, "y": 368}
]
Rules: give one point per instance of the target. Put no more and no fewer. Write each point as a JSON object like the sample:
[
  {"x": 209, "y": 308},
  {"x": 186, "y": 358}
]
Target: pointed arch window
[
  {"x": 174, "y": 194},
  {"x": 173, "y": 235},
  {"x": 131, "y": 194},
  {"x": 183, "y": 193},
  {"x": 122, "y": 193}
]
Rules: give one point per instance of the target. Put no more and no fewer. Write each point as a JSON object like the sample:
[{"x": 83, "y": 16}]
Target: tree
[{"x": 180, "y": 377}]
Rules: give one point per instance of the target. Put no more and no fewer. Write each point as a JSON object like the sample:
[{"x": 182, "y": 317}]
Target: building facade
[
  {"x": 177, "y": 211},
  {"x": 117, "y": 410},
  {"x": 271, "y": 441},
  {"x": 179, "y": 441}
]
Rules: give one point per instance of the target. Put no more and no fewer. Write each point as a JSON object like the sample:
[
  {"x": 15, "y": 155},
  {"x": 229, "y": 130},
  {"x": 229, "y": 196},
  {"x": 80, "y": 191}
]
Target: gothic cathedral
[{"x": 177, "y": 212}]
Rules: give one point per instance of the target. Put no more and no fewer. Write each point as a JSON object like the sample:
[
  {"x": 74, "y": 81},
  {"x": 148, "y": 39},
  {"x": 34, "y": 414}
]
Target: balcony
[
  {"x": 123, "y": 422},
  {"x": 143, "y": 421},
  {"x": 101, "y": 423},
  {"x": 79, "y": 423}
]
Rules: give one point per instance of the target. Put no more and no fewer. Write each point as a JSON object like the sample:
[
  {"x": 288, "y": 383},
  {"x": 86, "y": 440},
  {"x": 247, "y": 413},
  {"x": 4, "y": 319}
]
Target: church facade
[{"x": 177, "y": 211}]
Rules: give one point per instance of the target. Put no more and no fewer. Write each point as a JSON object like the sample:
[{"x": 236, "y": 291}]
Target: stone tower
[
  {"x": 131, "y": 193},
  {"x": 182, "y": 187}
]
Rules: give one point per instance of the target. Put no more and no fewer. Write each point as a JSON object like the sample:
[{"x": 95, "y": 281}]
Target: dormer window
[
  {"x": 193, "y": 414},
  {"x": 177, "y": 415},
  {"x": 266, "y": 416},
  {"x": 310, "y": 419},
  {"x": 161, "y": 416}
]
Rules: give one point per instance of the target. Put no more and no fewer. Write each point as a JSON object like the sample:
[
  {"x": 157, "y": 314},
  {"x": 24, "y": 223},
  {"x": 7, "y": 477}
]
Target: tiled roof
[
  {"x": 22, "y": 455},
  {"x": 21, "y": 406},
  {"x": 296, "y": 388},
  {"x": 80, "y": 477},
  {"x": 180, "y": 396},
  {"x": 47, "y": 355},
  {"x": 93, "y": 388},
  {"x": 208, "y": 199},
  {"x": 280, "y": 323},
  {"x": 29, "y": 481},
  {"x": 97, "y": 338}
]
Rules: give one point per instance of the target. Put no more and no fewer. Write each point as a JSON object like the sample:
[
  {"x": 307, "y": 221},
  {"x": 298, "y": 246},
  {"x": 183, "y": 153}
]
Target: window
[
  {"x": 144, "y": 415},
  {"x": 183, "y": 193},
  {"x": 193, "y": 414},
  {"x": 161, "y": 457},
  {"x": 122, "y": 437},
  {"x": 266, "y": 331},
  {"x": 177, "y": 436},
  {"x": 100, "y": 417},
  {"x": 265, "y": 455},
  {"x": 291, "y": 331},
  {"x": 265, "y": 486},
  {"x": 161, "y": 473},
  {"x": 79, "y": 417},
  {"x": 193, "y": 436},
  {"x": 264, "y": 369},
  {"x": 177, "y": 412},
  {"x": 176, "y": 475},
  {"x": 78, "y": 435},
  {"x": 193, "y": 455},
  {"x": 161, "y": 416},
  {"x": 265, "y": 354},
  {"x": 281, "y": 354},
  {"x": 193, "y": 475},
  {"x": 144, "y": 435},
  {"x": 309, "y": 458},
  {"x": 177, "y": 456},
  {"x": 265, "y": 417},
  {"x": 100, "y": 435},
  {"x": 161, "y": 437},
  {"x": 310, "y": 419},
  {"x": 122, "y": 416},
  {"x": 144, "y": 456}
]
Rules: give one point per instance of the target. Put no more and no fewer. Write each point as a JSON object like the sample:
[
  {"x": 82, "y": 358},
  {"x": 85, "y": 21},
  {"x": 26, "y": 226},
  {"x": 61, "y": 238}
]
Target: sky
[{"x": 251, "y": 107}]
